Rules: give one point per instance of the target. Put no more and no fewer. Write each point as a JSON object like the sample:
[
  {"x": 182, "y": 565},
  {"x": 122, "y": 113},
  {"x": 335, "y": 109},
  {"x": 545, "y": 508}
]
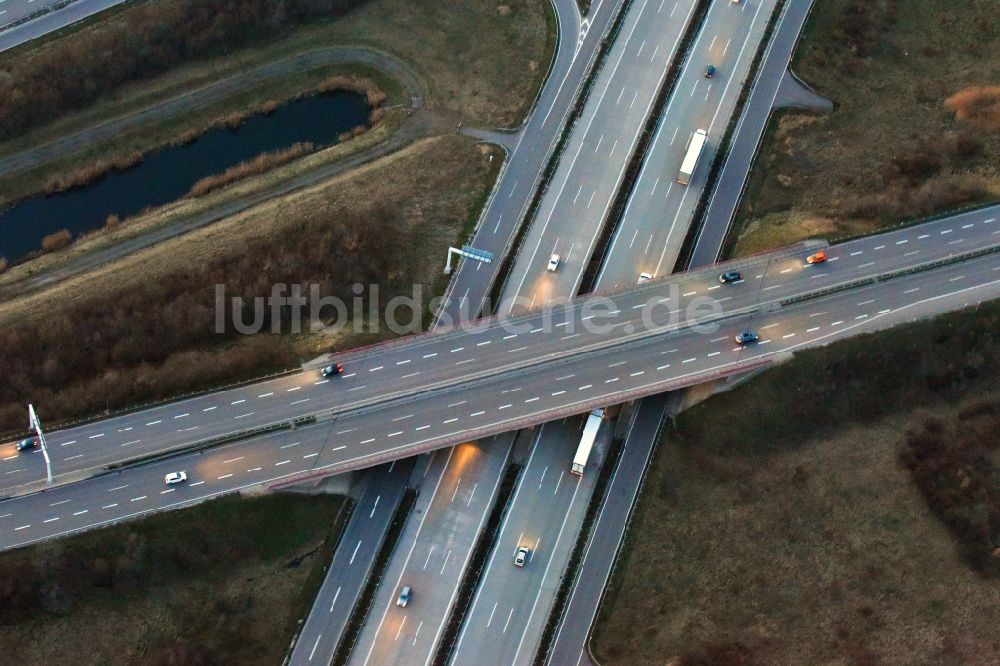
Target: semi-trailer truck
[
  {"x": 590, "y": 429},
  {"x": 691, "y": 159}
]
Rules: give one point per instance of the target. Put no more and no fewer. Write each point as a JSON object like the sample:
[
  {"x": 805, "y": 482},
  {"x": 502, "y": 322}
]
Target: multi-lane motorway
[
  {"x": 599, "y": 148},
  {"x": 659, "y": 209},
  {"x": 388, "y": 379},
  {"x": 527, "y": 593},
  {"x": 611, "y": 373}
]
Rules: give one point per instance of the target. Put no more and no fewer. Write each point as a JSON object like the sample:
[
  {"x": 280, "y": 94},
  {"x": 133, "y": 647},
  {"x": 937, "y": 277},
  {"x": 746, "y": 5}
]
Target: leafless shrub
[
  {"x": 977, "y": 105},
  {"x": 57, "y": 241}
]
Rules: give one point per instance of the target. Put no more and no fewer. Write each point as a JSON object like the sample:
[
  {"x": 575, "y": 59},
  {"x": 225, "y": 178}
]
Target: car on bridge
[
  {"x": 816, "y": 257},
  {"x": 747, "y": 337},
  {"x": 521, "y": 556},
  {"x": 332, "y": 370},
  {"x": 553, "y": 263},
  {"x": 26, "y": 444},
  {"x": 173, "y": 478},
  {"x": 730, "y": 276},
  {"x": 404, "y": 597},
  {"x": 710, "y": 71}
]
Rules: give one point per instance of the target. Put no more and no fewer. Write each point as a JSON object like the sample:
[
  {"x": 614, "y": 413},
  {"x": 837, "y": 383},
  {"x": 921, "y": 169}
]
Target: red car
[{"x": 816, "y": 257}]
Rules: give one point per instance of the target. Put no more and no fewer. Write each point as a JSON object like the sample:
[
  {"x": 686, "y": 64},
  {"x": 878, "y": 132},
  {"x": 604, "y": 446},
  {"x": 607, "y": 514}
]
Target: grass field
[
  {"x": 223, "y": 582},
  {"x": 481, "y": 62},
  {"x": 891, "y": 150},
  {"x": 778, "y": 523}
]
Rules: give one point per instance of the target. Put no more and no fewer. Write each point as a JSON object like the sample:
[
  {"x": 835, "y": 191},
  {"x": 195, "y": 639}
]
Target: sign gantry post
[{"x": 34, "y": 424}]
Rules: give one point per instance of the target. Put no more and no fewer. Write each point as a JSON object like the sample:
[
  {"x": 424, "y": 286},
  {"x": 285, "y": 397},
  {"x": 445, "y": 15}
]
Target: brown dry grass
[
  {"x": 431, "y": 182},
  {"x": 85, "y": 175},
  {"x": 57, "y": 240},
  {"x": 223, "y": 582},
  {"x": 777, "y": 524},
  {"x": 890, "y": 151},
  {"x": 163, "y": 337},
  {"x": 978, "y": 105},
  {"x": 148, "y": 222},
  {"x": 258, "y": 165}
]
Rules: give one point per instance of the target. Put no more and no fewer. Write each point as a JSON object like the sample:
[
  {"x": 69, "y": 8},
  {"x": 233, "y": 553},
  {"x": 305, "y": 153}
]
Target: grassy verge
[
  {"x": 227, "y": 580},
  {"x": 892, "y": 149},
  {"x": 143, "y": 328},
  {"x": 787, "y": 522},
  {"x": 481, "y": 63}
]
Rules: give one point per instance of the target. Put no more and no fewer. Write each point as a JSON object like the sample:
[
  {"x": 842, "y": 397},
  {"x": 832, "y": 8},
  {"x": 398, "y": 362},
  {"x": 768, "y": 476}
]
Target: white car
[
  {"x": 644, "y": 277},
  {"x": 175, "y": 477},
  {"x": 553, "y": 263},
  {"x": 521, "y": 556}
]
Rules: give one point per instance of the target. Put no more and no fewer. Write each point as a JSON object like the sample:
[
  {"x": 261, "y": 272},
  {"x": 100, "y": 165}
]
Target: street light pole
[{"x": 33, "y": 423}]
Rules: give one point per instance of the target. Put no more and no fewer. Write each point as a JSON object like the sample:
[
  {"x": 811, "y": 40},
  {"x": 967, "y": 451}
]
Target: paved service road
[
  {"x": 643, "y": 367},
  {"x": 756, "y": 111},
  {"x": 351, "y": 564}
]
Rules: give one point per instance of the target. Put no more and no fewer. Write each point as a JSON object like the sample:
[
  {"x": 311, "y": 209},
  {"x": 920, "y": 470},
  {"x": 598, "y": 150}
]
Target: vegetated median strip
[{"x": 381, "y": 561}]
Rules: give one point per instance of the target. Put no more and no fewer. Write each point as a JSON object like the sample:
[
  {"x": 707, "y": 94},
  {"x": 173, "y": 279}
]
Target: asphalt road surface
[
  {"x": 15, "y": 11},
  {"x": 535, "y": 142},
  {"x": 511, "y": 605},
  {"x": 351, "y": 564},
  {"x": 660, "y": 210},
  {"x": 646, "y": 366},
  {"x": 529, "y": 596},
  {"x": 553, "y": 101},
  {"x": 569, "y": 647},
  {"x": 599, "y": 148},
  {"x": 434, "y": 561},
  {"x": 733, "y": 176}
]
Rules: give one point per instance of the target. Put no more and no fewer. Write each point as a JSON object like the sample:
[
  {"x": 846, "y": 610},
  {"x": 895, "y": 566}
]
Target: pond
[{"x": 168, "y": 174}]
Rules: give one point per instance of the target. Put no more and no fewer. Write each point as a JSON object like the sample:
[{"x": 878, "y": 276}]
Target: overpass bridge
[{"x": 435, "y": 389}]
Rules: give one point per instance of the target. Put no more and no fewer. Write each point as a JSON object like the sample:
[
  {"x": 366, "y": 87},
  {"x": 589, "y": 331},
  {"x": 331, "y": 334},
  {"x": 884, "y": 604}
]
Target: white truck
[
  {"x": 691, "y": 159},
  {"x": 587, "y": 441}
]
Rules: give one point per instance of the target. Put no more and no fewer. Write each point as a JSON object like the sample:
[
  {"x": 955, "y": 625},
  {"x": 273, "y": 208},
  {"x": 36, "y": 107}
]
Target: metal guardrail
[{"x": 885, "y": 277}]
